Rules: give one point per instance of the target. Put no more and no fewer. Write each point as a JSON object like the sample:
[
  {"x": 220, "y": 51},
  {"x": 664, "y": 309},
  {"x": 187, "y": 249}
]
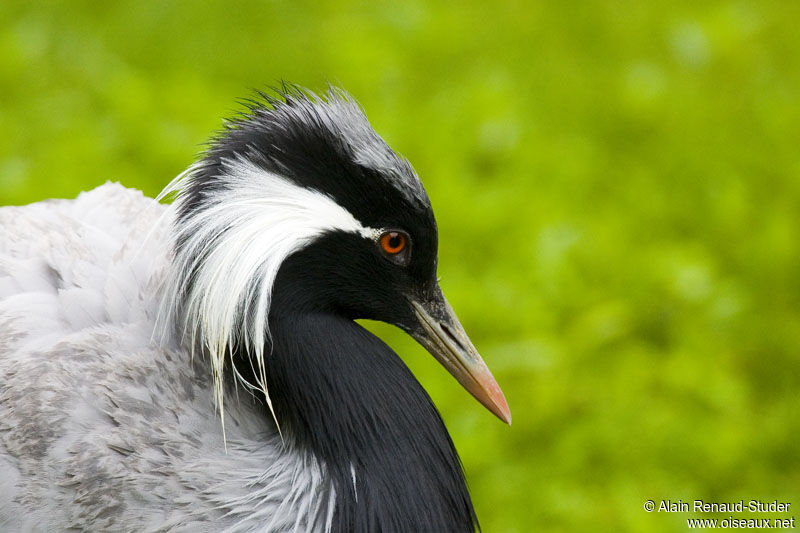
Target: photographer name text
[{"x": 700, "y": 506}]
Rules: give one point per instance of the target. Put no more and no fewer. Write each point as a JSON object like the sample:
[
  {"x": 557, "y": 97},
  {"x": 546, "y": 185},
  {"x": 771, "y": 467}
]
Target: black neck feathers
[{"x": 342, "y": 394}]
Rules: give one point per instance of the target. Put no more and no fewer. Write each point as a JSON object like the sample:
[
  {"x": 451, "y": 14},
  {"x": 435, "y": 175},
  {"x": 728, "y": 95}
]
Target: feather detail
[{"x": 227, "y": 251}]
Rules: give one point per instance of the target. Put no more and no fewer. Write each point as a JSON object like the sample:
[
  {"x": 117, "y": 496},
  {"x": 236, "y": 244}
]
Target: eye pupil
[{"x": 395, "y": 241}]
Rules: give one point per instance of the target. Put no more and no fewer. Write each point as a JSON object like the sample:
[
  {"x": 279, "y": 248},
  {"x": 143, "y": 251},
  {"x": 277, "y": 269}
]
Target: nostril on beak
[{"x": 453, "y": 338}]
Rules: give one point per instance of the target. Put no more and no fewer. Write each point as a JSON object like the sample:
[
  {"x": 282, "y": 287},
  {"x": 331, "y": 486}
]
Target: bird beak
[{"x": 444, "y": 337}]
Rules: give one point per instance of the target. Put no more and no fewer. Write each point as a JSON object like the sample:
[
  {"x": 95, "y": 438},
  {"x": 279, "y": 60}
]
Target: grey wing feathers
[{"x": 101, "y": 428}]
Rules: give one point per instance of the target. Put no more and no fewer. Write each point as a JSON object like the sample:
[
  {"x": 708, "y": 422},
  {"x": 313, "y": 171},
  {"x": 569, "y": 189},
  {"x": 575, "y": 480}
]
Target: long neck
[{"x": 342, "y": 394}]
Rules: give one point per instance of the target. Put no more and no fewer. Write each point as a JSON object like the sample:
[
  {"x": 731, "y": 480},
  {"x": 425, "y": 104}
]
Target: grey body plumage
[{"x": 102, "y": 429}]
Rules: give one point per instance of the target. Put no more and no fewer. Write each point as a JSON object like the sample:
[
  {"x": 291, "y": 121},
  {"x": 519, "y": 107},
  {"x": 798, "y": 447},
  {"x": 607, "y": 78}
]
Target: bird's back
[{"x": 101, "y": 425}]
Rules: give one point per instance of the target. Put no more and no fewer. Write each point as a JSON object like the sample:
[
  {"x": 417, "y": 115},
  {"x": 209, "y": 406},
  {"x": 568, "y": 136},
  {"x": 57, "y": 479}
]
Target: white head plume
[{"x": 228, "y": 253}]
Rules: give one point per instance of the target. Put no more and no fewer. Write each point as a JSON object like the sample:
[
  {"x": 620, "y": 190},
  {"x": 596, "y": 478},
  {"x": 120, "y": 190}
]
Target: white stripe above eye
[{"x": 219, "y": 288}]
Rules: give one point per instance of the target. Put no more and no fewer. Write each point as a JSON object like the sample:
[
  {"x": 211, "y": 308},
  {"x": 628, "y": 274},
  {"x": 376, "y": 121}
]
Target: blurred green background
[{"x": 617, "y": 186}]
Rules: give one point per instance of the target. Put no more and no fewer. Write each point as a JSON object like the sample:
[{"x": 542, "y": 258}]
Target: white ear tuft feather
[{"x": 228, "y": 250}]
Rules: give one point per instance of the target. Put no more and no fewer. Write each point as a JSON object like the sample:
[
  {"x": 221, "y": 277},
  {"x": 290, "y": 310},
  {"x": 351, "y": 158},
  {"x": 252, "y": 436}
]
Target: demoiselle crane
[{"x": 197, "y": 367}]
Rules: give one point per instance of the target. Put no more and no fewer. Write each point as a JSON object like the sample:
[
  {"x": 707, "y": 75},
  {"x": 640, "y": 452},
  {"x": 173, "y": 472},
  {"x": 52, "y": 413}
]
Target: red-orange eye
[{"x": 393, "y": 242}]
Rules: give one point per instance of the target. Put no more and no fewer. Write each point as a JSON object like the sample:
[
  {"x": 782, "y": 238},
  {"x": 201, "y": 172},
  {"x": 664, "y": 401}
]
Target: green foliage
[{"x": 617, "y": 186}]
